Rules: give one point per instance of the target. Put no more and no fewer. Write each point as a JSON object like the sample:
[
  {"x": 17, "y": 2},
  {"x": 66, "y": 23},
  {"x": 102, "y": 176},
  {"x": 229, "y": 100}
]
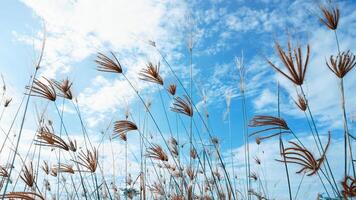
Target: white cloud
[
  {"x": 266, "y": 98},
  {"x": 78, "y": 29}
]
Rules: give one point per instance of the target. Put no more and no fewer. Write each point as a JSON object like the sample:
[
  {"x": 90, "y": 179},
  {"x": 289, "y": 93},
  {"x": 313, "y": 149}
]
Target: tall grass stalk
[
  {"x": 282, "y": 145},
  {"x": 37, "y": 67}
]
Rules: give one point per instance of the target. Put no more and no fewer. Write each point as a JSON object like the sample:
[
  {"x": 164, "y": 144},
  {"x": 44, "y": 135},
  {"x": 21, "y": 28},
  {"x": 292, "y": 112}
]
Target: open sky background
[{"x": 78, "y": 29}]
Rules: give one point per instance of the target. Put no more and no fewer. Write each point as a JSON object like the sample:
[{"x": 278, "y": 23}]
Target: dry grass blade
[
  {"x": 302, "y": 156},
  {"x": 28, "y": 175},
  {"x": 330, "y": 16},
  {"x": 156, "y": 152},
  {"x": 342, "y": 64},
  {"x": 151, "y": 74},
  {"x": 183, "y": 106},
  {"x": 122, "y": 127},
  {"x": 23, "y": 195},
  {"x": 270, "y": 123},
  {"x": 349, "y": 187},
  {"x": 293, "y": 61},
  {"x": 108, "y": 65},
  {"x": 46, "y": 138},
  {"x": 43, "y": 90},
  {"x": 64, "y": 87},
  {"x": 89, "y": 159},
  {"x": 172, "y": 88}
]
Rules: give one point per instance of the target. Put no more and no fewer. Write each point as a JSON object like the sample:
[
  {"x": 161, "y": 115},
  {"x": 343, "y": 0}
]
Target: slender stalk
[
  {"x": 20, "y": 132},
  {"x": 59, "y": 151},
  {"x": 282, "y": 147},
  {"x": 319, "y": 141},
  {"x": 346, "y": 130},
  {"x": 97, "y": 187},
  {"x": 150, "y": 114},
  {"x": 337, "y": 41},
  {"x": 299, "y": 186},
  {"x": 191, "y": 93},
  {"x": 126, "y": 168},
  {"x": 74, "y": 156},
  {"x": 199, "y": 115}
]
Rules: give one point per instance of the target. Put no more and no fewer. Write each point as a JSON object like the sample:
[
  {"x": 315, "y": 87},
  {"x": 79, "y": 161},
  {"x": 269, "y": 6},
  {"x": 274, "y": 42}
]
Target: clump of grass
[{"x": 169, "y": 174}]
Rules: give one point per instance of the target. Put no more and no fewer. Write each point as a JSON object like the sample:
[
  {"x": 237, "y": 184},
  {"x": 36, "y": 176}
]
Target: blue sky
[{"x": 222, "y": 30}]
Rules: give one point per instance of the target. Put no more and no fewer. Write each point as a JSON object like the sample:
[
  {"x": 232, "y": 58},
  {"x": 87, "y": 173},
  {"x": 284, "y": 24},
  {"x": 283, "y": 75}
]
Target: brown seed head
[
  {"x": 45, "y": 167},
  {"x": 42, "y": 90},
  {"x": 173, "y": 146},
  {"x": 3, "y": 172},
  {"x": 157, "y": 189},
  {"x": 151, "y": 74},
  {"x": 349, "y": 187},
  {"x": 293, "y": 61},
  {"x": 23, "y": 195},
  {"x": 64, "y": 87},
  {"x": 122, "y": 127},
  {"x": 330, "y": 16},
  {"x": 63, "y": 168},
  {"x": 193, "y": 153},
  {"x": 342, "y": 63},
  {"x": 108, "y": 65},
  {"x": 89, "y": 159},
  {"x": 172, "y": 88},
  {"x": 190, "y": 173},
  {"x": 183, "y": 106},
  {"x": 45, "y": 137},
  {"x": 28, "y": 175},
  {"x": 301, "y": 156},
  {"x": 269, "y": 123},
  {"x": 301, "y": 103},
  {"x": 156, "y": 152}
]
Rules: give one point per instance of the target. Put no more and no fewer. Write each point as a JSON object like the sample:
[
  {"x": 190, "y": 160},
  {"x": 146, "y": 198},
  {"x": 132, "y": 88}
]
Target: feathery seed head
[
  {"x": 183, "y": 106},
  {"x": 151, "y": 74},
  {"x": 42, "y": 90},
  {"x": 293, "y": 61},
  {"x": 342, "y": 63},
  {"x": 330, "y": 16},
  {"x": 105, "y": 64}
]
